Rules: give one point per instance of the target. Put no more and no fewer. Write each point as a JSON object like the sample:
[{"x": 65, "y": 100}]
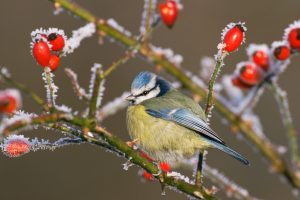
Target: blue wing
[{"x": 188, "y": 119}]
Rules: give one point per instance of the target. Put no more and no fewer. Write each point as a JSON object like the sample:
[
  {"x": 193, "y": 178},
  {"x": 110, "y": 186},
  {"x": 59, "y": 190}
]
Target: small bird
[{"x": 168, "y": 125}]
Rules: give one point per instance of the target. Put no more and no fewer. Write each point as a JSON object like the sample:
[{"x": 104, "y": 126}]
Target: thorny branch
[
  {"x": 265, "y": 147},
  {"x": 282, "y": 101}
]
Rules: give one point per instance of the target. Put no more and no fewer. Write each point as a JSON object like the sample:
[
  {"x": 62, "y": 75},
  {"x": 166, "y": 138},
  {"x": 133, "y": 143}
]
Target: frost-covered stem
[
  {"x": 230, "y": 187},
  {"x": 148, "y": 20},
  {"x": 50, "y": 90},
  {"x": 252, "y": 98},
  {"x": 209, "y": 101},
  {"x": 95, "y": 94},
  {"x": 209, "y": 105},
  {"x": 80, "y": 92},
  {"x": 282, "y": 101},
  {"x": 23, "y": 88},
  {"x": 98, "y": 135},
  {"x": 265, "y": 147}
]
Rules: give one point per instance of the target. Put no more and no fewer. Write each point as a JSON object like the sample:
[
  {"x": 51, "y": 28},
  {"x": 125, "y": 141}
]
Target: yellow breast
[{"x": 162, "y": 139}]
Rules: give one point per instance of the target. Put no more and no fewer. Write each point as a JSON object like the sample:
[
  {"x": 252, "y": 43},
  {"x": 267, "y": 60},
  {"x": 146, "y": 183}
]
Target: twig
[
  {"x": 149, "y": 6},
  {"x": 50, "y": 88},
  {"x": 80, "y": 92},
  {"x": 95, "y": 93},
  {"x": 209, "y": 103},
  {"x": 264, "y": 146},
  {"x": 282, "y": 101},
  {"x": 116, "y": 64}
]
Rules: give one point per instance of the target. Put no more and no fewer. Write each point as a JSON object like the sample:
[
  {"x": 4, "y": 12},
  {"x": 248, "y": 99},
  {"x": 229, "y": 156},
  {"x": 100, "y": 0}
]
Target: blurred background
[{"x": 89, "y": 172}]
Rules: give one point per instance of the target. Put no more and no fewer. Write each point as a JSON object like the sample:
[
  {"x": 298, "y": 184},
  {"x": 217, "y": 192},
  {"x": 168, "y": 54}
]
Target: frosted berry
[
  {"x": 294, "y": 38},
  {"x": 164, "y": 166},
  {"x": 57, "y": 41},
  {"x": 236, "y": 81},
  {"x": 282, "y": 52},
  {"x": 8, "y": 103},
  {"x": 15, "y": 147},
  {"x": 168, "y": 12},
  {"x": 233, "y": 38},
  {"x": 251, "y": 74},
  {"x": 41, "y": 53},
  {"x": 261, "y": 59},
  {"x": 54, "y": 62},
  {"x": 147, "y": 176}
]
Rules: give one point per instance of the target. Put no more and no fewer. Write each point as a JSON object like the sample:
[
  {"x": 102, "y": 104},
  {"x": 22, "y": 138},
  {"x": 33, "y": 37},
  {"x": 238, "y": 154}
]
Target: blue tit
[{"x": 168, "y": 125}]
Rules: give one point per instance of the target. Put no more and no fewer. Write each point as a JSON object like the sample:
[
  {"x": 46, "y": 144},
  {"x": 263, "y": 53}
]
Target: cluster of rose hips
[
  {"x": 168, "y": 12},
  {"x": 263, "y": 61},
  {"x": 47, "y": 47},
  {"x": 10, "y": 101}
]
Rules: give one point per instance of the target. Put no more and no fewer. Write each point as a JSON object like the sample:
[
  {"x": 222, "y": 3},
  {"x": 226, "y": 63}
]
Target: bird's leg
[
  {"x": 198, "y": 176},
  {"x": 132, "y": 143}
]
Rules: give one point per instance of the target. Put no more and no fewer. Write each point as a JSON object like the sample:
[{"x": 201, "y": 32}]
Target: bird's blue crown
[{"x": 150, "y": 80}]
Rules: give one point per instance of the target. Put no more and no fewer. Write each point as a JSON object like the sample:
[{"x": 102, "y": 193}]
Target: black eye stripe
[{"x": 146, "y": 91}]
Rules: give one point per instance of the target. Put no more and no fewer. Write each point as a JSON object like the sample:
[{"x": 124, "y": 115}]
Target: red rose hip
[
  {"x": 233, "y": 38},
  {"x": 41, "y": 53},
  {"x": 54, "y": 62},
  {"x": 251, "y": 74},
  {"x": 282, "y": 52},
  {"x": 168, "y": 12},
  {"x": 8, "y": 104},
  {"x": 57, "y": 41},
  {"x": 261, "y": 59},
  {"x": 236, "y": 81}
]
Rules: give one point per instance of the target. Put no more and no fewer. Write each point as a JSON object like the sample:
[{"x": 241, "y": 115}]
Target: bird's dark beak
[{"x": 130, "y": 98}]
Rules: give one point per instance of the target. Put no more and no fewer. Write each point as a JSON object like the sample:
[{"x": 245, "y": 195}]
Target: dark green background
[{"x": 88, "y": 172}]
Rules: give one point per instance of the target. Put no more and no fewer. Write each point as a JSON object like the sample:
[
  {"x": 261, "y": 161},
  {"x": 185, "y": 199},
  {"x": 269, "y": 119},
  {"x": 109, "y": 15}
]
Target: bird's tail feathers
[{"x": 230, "y": 151}]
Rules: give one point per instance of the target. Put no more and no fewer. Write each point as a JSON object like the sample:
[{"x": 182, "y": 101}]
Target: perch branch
[{"x": 97, "y": 136}]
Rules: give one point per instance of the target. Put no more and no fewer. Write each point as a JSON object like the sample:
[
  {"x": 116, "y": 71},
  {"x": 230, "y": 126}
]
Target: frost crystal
[
  {"x": 18, "y": 145},
  {"x": 113, "y": 23},
  {"x": 94, "y": 70},
  {"x": 234, "y": 94},
  {"x": 145, "y": 13},
  {"x": 18, "y": 116},
  {"x": 4, "y": 73},
  {"x": 100, "y": 93},
  {"x": 77, "y": 36},
  {"x": 79, "y": 90},
  {"x": 51, "y": 88},
  {"x": 207, "y": 68},
  {"x": 252, "y": 48},
  {"x": 15, "y": 146},
  {"x": 176, "y": 59},
  {"x": 113, "y": 106},
  {"x": 231, "y": 188},
  {"x": 230, "y": 26},
  {"x": 179, "y": 176}
]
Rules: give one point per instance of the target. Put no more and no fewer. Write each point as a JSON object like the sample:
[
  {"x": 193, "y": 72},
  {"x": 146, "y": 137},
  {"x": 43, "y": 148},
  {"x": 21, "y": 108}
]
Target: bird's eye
[{"x": 145, "y": 92}]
